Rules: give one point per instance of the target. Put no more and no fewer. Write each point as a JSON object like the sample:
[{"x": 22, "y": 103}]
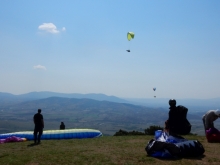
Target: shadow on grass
[
  {"x": 166, "y": 159},
  {"x": 195, "y": 158},
  {"x": 4, "y": 155},
  {"x": 179, "y": 158},
  {"x": 32, "y": 145}
]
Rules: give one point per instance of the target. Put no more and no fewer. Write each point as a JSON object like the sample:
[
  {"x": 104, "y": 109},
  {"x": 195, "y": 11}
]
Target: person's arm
[
  {"x": 209, "y": 121},
  {"x": 42, "y": 123},
  {"x": 33, "y": 120}
]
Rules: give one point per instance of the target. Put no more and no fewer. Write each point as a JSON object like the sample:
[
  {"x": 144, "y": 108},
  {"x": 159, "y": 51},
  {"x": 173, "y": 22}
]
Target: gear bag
[{"x": 179, "y": 123}]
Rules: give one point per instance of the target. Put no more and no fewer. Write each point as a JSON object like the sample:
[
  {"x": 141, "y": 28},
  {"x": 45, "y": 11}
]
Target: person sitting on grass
[
  {"x": 177, "y": 122},
  {"x": 62, "y": 126}
]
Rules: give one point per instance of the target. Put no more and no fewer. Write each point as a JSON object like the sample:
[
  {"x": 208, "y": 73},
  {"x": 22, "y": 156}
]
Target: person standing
[{"x": 39, "y": 125}]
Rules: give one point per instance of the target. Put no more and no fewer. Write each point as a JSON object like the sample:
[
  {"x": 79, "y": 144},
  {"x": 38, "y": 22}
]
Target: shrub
[
  {"x": 151, "y": 130},
  {"x": 125, "y": 133}
]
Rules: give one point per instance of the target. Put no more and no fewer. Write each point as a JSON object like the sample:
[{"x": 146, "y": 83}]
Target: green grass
[{"x": 109, "y": 150}]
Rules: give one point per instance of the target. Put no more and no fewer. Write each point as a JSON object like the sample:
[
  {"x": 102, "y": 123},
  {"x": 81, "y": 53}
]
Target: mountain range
[
  {"x": 192, "y": 104},
  {"x": 98, "y": 111}
]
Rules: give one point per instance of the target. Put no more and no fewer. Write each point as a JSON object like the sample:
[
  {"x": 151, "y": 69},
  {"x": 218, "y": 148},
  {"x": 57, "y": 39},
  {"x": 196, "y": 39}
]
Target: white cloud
[
  {"x": 39, "y": 67},
  {"x": 63, "y": 29},
  {"x": 48, "y": 27}
]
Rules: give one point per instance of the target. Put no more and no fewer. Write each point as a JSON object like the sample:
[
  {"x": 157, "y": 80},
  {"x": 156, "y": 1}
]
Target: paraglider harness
[
  {"x": 177, "y": 122},
  {"x": 169, "y": 146}
]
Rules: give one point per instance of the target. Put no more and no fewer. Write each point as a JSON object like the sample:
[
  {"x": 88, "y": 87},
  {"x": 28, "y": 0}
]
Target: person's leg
[
  {"x": 203, "y": 120},
  {"x": 214, "y": 130},
  {"x": 35, "y": 135},
  {"x": 39, "y": 135}
]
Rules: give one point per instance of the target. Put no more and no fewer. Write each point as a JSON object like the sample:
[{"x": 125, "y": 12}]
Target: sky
[{"x": 80, "y": 47}]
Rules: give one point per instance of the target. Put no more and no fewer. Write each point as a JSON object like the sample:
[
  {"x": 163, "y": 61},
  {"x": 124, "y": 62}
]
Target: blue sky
[{"x": 80, "y": 47}]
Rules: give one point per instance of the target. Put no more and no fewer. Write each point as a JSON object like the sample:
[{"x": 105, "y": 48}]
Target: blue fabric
[
  {"x": 57, "y": 134},
  {"x": 167, "y": 146},
  {"x": 165, "y": 137},
  {"x": 162, "y": 154}
]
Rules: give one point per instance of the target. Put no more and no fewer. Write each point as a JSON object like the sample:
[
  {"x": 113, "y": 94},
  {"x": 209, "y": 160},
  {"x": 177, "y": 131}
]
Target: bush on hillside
[
  {"x": 125, "y": 133},
  {"x": 151, "y": 130}
]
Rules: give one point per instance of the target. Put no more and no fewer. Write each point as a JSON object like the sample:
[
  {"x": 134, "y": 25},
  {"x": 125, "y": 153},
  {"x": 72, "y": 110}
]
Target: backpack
[
  {"x": 182, "y": 110},
  {"x": 180, "y": 124}
]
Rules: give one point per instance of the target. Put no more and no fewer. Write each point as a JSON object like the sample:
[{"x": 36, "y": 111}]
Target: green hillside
[
  {"x": 109, "y": 150},
  {"x": 108, "y": 117}
]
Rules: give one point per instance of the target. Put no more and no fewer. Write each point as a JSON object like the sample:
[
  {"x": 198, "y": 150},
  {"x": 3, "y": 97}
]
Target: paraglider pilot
[
  {"x": 177, "y": 122},
  {"x": 130, "y": 35},
  {"x": 39, "y": 125},
  {"x": 208, "y": 120}
]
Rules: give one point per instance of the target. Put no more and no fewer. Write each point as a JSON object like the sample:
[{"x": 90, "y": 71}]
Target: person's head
[
  {"x": 39, "y": 110},
  {"x": 62, "y": 123},
  {"x": 217, "y": 112},
  {"x": 172, "y": 102}
]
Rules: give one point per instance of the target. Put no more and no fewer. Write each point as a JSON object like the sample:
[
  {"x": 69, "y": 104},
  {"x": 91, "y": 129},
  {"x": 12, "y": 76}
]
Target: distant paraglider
[
  {"x": 130, "y": 35},
  {"x": 155, "y": 92}
]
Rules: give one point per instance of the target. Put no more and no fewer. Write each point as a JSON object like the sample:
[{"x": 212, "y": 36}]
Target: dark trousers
[
  {"x": 203, "y": 120},
  {"x": 38, "y": 131}
]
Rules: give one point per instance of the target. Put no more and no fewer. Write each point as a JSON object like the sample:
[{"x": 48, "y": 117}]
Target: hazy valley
[{"x": 97, "y": 111}]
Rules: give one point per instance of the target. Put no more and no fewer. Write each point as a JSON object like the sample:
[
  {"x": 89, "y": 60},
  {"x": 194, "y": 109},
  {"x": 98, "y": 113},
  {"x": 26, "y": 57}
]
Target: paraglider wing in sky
[
  {"x": 130, "y": 35},
  {"x": 155, "y": 92}
]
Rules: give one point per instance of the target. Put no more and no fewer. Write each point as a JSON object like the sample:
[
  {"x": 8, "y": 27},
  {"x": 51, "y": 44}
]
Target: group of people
[
  {"x": 39, "y": 126},
  {"x": 177, "y": 123}
]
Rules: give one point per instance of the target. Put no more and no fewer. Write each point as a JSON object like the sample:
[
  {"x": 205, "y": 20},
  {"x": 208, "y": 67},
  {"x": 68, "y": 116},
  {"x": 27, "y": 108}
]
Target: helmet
[
  {"x": 217, "y": 112},
  {"x": 172, "y": 102}
]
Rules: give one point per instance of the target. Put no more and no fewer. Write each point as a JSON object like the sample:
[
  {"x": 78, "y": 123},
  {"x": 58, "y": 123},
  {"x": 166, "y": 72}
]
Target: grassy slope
[{"x": 126, "y": 150}]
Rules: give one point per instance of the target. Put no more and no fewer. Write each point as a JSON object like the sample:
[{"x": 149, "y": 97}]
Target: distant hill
[
  {"x": 194, "y": 105},
  {"x": 99, "y": 111},
  {"x": 7, "y": 98},
  {"x": 106, "y": 116}
]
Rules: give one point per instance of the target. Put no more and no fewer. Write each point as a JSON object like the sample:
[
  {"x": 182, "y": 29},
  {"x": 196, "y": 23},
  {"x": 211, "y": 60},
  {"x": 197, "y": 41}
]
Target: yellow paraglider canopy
[{"x": 130, "y": 35}]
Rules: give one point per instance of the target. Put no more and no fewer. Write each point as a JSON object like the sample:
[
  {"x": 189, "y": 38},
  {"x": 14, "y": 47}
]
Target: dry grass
[{"x": 124, "y": 150}]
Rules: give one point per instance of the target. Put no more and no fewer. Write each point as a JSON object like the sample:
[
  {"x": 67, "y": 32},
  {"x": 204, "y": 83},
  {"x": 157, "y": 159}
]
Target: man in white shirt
[{"x": 209, "y": 118}]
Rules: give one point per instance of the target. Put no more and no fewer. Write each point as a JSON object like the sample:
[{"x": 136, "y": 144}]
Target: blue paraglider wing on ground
[{"x": 57, "y": 134}]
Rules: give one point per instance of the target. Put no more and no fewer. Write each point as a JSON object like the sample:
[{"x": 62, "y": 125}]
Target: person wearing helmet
[
  {"x": 177, "y": 122},
  {"x": 171, "y": 119},
  {"x": 172, "y": 103},
  {"x": 208, "y": 120}
]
